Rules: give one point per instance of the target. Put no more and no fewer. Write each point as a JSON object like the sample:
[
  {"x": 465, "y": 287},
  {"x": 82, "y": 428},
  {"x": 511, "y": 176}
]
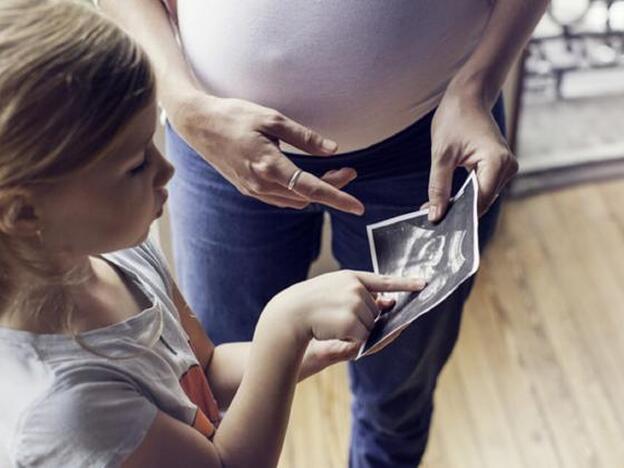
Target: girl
[{"x": 103, "y": 362}]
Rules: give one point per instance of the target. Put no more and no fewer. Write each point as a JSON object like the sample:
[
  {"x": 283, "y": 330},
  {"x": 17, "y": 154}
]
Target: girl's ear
[{"x": 17, "y": 214}]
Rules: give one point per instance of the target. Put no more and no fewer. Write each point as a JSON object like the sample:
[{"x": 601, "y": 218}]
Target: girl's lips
[{"x": 163, "y": 194}]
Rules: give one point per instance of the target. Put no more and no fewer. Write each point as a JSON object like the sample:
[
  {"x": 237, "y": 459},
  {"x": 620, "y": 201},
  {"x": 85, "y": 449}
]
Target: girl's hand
[
  {"x": 322, "y": 354},
  {"x": 336, "y": 306}
]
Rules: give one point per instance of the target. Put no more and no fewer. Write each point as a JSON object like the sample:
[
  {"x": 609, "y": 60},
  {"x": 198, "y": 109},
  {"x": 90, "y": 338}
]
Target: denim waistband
[{"x": 406, "y": 152}]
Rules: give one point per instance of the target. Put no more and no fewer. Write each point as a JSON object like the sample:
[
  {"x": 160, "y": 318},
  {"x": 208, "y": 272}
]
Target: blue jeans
[{"x": 233, "y": 253}]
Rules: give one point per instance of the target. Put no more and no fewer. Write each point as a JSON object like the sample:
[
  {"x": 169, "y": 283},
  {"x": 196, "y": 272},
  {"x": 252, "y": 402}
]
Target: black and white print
[{"x": 444, "y": 254}]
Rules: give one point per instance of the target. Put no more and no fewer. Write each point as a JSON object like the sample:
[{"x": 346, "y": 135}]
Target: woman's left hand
[{"x": 464, "y": 133}]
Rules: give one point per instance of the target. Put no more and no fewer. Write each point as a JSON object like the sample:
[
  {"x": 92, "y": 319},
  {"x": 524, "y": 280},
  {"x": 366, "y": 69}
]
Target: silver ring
[{"x": 294, "y": 178}]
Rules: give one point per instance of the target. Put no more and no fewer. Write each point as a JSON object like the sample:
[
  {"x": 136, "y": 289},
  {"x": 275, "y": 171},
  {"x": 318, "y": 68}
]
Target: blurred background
[{"x": 537, "y": 377}]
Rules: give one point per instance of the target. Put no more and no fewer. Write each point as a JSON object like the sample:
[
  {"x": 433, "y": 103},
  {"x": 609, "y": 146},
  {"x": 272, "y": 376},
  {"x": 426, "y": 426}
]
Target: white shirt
[
  {"x": 357, "y": 71},
  {"x": 62, "y": 406}
]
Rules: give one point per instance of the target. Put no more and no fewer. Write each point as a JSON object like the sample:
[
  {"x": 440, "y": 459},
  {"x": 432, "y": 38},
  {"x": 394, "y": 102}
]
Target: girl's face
[{"x": 111, "y": 205}]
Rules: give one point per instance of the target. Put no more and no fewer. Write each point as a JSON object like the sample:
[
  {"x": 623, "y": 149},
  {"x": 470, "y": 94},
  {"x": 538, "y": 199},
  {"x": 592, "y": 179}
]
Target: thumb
[
  {"x": 487, "y": 180},
  {"x": 333, "y": 351},
  {"x": 350, "y": 350},
  {"x": 440, "y": 181}
]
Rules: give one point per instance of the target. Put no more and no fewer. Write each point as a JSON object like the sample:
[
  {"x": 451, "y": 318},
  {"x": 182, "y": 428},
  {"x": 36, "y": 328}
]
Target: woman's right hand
[
  {"x": 340, "y": 305},
  {"x": 241, "y": 139}
]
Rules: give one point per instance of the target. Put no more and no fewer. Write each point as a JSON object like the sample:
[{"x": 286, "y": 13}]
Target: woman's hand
[
  {"x": 241, "y": 139},
  {"x": 464, "y": 133}
]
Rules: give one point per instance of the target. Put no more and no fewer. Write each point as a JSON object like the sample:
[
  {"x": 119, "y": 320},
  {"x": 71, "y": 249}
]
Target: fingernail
[
  {"x": 330, "y": 145},
  {"x": 433, "y": 213},
  {"x": 359, "y": 211},
  {"x": 421, "y": 283}
]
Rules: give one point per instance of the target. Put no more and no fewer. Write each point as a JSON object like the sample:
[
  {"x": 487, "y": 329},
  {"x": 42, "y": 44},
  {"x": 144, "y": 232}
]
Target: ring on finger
[{"x": 294, "y": 178}]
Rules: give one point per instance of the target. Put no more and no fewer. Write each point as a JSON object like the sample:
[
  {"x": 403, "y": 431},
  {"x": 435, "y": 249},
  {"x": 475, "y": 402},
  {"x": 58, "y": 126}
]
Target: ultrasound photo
[{"x": 444, "y": 254}]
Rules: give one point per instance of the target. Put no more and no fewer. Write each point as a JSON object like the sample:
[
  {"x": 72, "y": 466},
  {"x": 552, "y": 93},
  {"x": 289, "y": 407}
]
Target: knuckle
[
  {"x": 513, "y": 166},
  {"x": 264, "y": 169},
  {"x": 350, "y": 325},
  {"x": 255, "y": 186},
  {"x": 442, "y": 155},
  {"x": 503, "y": 155},
  {"x": 436, "y": 190},
  {"x": 274, "y": 119},
  {"x": 506, "y": 162},
  {"x": 346, "y": 274},
  {"x": 352, "y": 279},
  {"x": 357, "y": 284},
  {"x": 346, "y": 279},
  {"x": 341, "y": 276},
  {"x": 309, "y": 138},
  {"x": 314, "y": 192},
  {"x": 437, "y": 150}
]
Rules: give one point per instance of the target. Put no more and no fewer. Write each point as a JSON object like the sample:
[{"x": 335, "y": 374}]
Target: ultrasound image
[{"x": 444, "y": 254}]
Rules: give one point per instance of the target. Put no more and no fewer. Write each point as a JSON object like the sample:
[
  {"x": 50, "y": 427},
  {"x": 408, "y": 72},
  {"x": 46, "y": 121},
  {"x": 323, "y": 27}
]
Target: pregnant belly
[{"x": 330, "y": 64}]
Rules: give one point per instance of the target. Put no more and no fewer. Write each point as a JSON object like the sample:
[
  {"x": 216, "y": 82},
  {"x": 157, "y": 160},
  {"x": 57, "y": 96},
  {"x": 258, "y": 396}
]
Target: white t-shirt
[
  {"x": 357, "y": 71},
  {"x": 62, "y": 406}
]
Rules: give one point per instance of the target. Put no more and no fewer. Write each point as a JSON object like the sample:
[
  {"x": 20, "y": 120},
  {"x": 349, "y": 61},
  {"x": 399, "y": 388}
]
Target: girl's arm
[
  {"x": 225, "y": 364},
  {"x": 252, "y": 431},
  {"x": 337, "y": 306},
  {"x": 229, "y": 362}
]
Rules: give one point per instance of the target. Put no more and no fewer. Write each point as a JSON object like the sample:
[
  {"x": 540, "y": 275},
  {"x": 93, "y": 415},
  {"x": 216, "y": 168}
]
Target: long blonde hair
[{"x": 70, "y": 80}]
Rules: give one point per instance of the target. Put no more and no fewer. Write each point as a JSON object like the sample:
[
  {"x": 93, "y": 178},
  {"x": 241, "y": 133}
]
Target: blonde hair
[{"x": 70, "y": 80}]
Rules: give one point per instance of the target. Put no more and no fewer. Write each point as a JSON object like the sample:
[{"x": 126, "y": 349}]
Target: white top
[
  {"x": 358, "y": 71},
  {"x": 62, "y": 406}
]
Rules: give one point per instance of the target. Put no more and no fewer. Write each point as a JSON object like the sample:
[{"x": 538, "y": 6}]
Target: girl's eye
[{"x": 136, "y": 170}]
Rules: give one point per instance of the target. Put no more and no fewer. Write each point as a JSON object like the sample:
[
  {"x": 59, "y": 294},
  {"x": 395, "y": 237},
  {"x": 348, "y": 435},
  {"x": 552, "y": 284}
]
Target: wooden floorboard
[{"x": 537, "y": 377}]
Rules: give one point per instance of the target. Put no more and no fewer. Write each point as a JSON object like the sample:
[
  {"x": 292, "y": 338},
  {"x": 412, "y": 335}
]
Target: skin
[
  {"x": 106, "y": 207},
  {"x": 110, "y": 206},
  {"x": 239, "y": 138},
  {"x": 463, "y": 131}
]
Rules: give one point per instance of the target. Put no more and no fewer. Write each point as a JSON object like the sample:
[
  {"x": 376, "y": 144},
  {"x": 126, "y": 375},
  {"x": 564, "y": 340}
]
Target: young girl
[{"x": 103, "y": 363}]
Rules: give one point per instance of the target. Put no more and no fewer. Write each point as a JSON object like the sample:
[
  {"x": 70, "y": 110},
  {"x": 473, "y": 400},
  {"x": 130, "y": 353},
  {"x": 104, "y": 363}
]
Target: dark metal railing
[{"x": 591, "y": 38}]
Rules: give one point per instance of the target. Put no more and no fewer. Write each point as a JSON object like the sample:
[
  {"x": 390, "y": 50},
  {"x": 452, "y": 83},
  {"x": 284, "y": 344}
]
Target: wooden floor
[{"x": 537, "y": 378}]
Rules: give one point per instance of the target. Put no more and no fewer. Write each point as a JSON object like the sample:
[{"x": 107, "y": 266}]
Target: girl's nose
[{"x": 165, "y": 169}]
